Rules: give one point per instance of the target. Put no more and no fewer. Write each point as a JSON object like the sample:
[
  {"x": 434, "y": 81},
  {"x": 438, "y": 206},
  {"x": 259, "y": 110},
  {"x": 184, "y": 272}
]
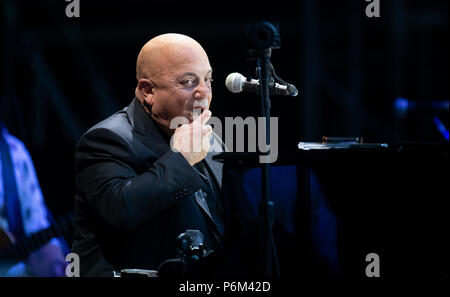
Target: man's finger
[
  {"x": 206, "y": 141},
  {"x": 206, "y": 129},
  {"x": 205, "y": 116},
  {"x": 184, "y": 126}
]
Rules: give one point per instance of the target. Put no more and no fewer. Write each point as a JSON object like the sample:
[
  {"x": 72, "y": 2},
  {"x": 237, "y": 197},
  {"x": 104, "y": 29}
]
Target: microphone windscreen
[{"x": 234, "y": 82}]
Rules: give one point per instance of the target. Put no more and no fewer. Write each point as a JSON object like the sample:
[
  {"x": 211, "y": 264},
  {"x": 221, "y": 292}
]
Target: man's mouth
[
  {"x": 198, "y": 109},
  {"x": 199, "y": 106}
]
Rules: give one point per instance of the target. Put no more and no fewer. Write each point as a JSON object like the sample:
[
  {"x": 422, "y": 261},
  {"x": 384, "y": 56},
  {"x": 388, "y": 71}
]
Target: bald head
[
  {"x": 174, "y": 77},
  {"x": 162, "y": 52}
]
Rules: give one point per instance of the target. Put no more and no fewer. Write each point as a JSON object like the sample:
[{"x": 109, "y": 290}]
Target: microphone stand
[{"x": 268, "y": 253}]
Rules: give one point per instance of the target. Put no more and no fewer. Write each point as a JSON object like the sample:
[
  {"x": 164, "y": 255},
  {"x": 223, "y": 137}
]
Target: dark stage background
[{"x": 61, "y": 75}]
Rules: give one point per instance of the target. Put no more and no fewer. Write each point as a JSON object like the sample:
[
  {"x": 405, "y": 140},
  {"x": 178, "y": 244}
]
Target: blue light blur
[
  {"x": 401, "y": 105},
  {"x": 440, "y": 126}
]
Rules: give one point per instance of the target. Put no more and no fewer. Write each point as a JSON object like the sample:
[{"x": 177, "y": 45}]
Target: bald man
[{"x": 135, "y": 192}]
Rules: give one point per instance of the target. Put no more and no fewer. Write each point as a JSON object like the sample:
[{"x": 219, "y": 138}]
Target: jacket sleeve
[{"x": 106, "y": 168}]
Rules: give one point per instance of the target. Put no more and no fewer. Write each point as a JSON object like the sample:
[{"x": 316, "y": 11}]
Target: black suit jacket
[{"x": 135, "y": 195}]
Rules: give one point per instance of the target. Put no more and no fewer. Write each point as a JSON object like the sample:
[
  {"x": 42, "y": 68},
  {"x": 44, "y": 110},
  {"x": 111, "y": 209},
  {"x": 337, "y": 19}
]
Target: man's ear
[{"x": 145, "y": 88}]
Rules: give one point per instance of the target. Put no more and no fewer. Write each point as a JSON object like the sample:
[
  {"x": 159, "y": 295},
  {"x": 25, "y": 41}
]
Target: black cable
[{"x": 291, "y": 88}]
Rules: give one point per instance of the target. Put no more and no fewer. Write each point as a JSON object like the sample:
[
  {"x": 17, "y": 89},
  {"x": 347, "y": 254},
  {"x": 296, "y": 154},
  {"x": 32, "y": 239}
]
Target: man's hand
[
  {"x": 192, "y": 140},
  {"x": 47, "y": 261}
]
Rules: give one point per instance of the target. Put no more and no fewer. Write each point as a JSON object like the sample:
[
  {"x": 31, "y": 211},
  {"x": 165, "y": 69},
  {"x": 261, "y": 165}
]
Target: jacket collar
[{"x": 149, "y": 133}]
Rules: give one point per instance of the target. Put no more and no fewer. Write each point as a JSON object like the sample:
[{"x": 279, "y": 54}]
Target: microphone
[{"x": 237, "y": 83}]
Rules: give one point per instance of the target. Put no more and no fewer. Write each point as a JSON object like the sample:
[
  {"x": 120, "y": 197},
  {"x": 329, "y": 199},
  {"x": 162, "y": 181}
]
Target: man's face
[{"x": 182, "y": 86}]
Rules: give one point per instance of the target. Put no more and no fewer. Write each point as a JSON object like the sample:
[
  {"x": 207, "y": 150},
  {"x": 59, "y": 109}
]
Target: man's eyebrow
[{"x": 192, "y": 74}]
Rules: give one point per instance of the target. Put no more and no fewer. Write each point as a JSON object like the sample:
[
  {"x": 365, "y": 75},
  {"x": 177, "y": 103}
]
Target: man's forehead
[
  {"x": 183, "y": 60},
  {"x": 184, "y": 65}
]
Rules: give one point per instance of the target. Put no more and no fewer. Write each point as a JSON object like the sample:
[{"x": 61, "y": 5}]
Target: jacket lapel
[
  {"x": 215, "y": 167},
  {"x": 146, "y": 129},
  {"x": 201, "y": 202}
]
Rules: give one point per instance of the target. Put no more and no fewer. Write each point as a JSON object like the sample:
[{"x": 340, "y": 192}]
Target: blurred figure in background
[{"x": 23, "y": 212}]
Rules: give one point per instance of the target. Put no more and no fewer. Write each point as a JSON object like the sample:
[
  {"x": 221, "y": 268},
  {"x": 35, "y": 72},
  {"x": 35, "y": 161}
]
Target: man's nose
[{"x": 202, "y": 90}]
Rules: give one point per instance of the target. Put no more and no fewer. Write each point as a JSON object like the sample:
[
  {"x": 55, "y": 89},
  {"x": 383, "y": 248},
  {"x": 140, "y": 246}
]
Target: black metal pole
[{"x": 268, "y": 254}]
